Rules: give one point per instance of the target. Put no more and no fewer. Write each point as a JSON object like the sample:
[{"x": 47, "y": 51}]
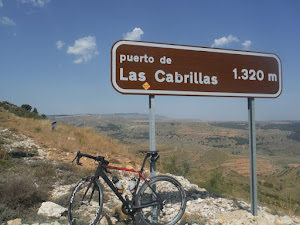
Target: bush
[
  {"x": 6, "y": 213},
  {"x": 174, "y": 167},
  {"x": 21, "y": 191},
  {"x": 26, "y": 107},
  {"x": 269, "y": 185},
  {"x": 192, "y": 219},
  {"x": 37, "y": 129},
  {"x": 216, "y": 183}
]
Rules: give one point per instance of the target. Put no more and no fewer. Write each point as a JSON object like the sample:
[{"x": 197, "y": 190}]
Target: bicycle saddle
[{"x": 149, "y": 152}]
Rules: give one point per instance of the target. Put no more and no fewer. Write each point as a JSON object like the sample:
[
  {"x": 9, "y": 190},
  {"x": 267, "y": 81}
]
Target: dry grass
[{"x": 66, "y": 140}]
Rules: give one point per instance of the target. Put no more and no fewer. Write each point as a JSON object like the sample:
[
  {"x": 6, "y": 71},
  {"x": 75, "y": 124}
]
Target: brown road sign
[{"x": 165, "y": 69}]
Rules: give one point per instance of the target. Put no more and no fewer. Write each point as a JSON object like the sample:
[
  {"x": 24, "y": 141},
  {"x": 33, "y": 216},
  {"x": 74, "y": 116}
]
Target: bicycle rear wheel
[
  {"x": 162, "y": 201},
  {"x": 85, "y": 205}
]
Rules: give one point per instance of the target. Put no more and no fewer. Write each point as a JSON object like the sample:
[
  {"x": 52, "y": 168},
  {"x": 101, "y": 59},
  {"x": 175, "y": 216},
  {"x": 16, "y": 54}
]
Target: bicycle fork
[{"x": 82, "y": 202}]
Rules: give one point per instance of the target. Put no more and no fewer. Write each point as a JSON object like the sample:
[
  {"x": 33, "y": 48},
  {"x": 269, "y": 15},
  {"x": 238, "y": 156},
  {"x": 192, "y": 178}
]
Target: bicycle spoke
[
  {"x": 85, "y": 204},
  {"x": 170, "y": 199}
]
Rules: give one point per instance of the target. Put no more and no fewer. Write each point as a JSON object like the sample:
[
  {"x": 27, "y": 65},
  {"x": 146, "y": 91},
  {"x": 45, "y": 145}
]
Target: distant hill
[
  {"x": 23, "y": 111},
  {"x": 122, "y": 115}
]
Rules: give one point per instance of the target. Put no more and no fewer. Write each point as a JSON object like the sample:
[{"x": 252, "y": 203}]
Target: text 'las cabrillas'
[{"x": 164, "y": 69}]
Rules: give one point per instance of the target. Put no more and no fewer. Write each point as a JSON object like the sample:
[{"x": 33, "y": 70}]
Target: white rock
[
  {"x": 286, "y": 220},
  {"x": 296, "y": 219},
  {"x": 199, "y": 200},
  {"x": 114, "y": 220},
  {"x": 51, "y": 209},
  {"x": 15, "y": 222},
  {"x": 55, "y": 223},
  {"x": 270, "y": 218},
  {"x": 103, "y": 221}
]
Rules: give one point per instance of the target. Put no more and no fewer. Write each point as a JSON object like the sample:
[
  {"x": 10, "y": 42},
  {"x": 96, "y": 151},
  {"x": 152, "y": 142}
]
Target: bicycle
[{"x": 160, "y": 200}]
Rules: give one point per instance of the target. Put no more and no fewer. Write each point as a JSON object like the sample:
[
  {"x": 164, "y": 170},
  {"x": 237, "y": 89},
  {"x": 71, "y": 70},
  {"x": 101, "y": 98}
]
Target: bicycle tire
[
  {"x": 171, "y": 192},
  {"x": 89, "y": 210}
]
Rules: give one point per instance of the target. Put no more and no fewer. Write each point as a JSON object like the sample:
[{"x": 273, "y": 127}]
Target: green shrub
[
  {"x": 174, "y": 167},
  {"x": 216, "y": 182},
  {"x": 192, "y": 219},
  {"x": 269, "y": 185},
  {"x": 37, "y": 129}
]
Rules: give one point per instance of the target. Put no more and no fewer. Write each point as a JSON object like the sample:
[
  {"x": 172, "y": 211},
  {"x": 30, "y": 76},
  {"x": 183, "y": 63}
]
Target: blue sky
[{"x": 55, "y": 54}]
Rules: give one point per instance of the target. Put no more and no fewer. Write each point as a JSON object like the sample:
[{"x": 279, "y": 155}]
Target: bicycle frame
[
  {"x": 112, "y": 186},
  {"x": 100, "y": 172},
  {"x": 143, "y": 195}
]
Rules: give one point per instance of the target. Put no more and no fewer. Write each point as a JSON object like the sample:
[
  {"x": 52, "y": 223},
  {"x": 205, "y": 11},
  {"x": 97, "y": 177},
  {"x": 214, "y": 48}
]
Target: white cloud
[
  {"x": 7, "y": 21},
  {"x": 134, "y": 35},
  {"x": 39, "y": 3},
  {"x": 59, "y": 44},
  {"x": 1, "y": 3},
  {"x": 224, "y": 41},
  {"x": 247, "y": 44},
  {"x": 85, "y": 48}
]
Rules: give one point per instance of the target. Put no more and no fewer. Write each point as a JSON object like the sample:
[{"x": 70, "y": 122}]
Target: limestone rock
[
  {"x": 55, "y": 223},
  {"x": 286, "y": 220},
  {"x": 103, "y": 221},
  {"x": 51, "y": 209},
  {"x": 15, "y": 222}
]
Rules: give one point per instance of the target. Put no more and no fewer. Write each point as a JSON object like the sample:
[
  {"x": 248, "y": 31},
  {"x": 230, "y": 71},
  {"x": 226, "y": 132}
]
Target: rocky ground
[{"x": 201, "y": 204}]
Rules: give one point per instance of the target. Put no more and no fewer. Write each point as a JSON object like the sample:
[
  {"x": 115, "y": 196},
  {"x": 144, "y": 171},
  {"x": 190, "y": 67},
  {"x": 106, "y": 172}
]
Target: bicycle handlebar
[{"x": 96, "y": 158}]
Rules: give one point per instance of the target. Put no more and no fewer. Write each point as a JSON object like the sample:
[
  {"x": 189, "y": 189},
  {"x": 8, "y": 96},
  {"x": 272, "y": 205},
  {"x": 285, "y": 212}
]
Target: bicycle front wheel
[
  {"x": 85, "y": 205},
  {"x": 161, "y": 201}
]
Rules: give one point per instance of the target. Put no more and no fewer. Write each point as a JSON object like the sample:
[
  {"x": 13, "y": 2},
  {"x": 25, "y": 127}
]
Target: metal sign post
[
  {"x": 152, "y": 132},
  {"x": 152, "y": 148},
  {"x": 252, "y": 148},
  {"x": 146, "y": 68}
]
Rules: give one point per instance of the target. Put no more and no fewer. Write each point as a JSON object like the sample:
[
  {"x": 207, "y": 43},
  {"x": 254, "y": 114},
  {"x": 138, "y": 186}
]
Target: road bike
[{"x": 160, "y": 200}]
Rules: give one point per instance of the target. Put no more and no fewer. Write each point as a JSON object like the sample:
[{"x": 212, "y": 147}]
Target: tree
[
  {"x": 35, "y": 111},
  {"x": 26, "y": 107}
]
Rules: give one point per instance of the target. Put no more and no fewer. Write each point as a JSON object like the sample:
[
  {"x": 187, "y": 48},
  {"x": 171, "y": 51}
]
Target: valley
[{"x": 214, "y": 155}]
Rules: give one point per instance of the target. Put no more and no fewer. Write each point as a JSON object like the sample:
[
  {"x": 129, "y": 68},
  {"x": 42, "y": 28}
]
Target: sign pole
[
  {"x": 149, "y": 68},
  {"x": 252, "y": 148},
  {"x": 152, "y": 149},
  {"x": 152, "y": 132}
]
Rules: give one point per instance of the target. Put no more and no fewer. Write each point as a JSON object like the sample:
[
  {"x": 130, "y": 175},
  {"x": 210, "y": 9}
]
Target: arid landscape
[
  {"x": 210, "y": 158},
  {"x": 214, "y": 155}
]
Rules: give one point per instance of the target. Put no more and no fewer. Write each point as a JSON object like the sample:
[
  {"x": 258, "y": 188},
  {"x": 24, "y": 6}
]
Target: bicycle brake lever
[
  {"x": 78, "y": 158},
  {"x": 78, "y": 163}
]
